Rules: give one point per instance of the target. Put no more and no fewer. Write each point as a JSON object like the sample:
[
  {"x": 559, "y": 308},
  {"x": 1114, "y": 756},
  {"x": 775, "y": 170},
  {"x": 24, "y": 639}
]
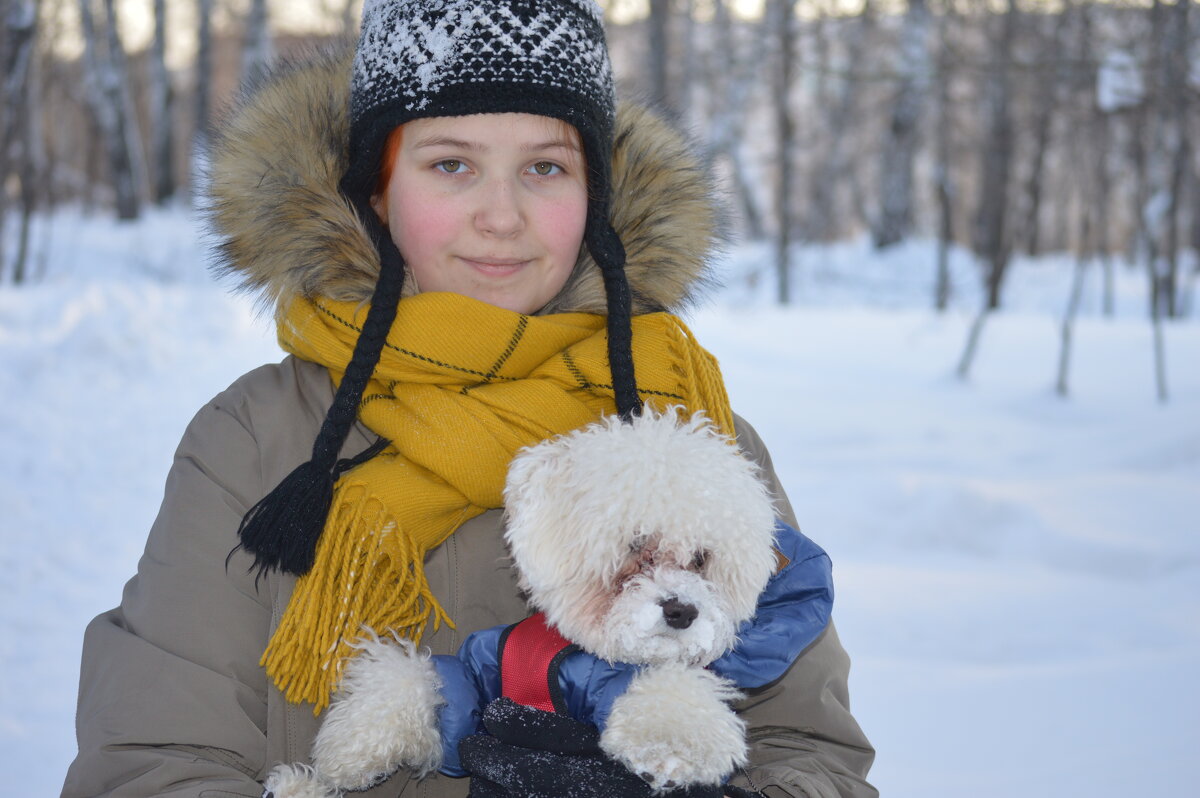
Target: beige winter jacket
[{"x": 172, "y": 699}]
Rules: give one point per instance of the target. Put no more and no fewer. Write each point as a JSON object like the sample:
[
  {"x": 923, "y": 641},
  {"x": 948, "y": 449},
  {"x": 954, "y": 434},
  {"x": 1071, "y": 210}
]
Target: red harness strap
[{"x": 530, "y": 653}]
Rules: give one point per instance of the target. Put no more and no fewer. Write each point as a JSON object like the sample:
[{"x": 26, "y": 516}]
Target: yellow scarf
[{"x": 460, "y": 387}]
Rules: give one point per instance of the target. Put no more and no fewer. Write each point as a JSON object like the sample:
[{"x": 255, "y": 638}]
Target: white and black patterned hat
[
  {"x": 421, "y": 58},
  {"x": 426, "y": 58}
]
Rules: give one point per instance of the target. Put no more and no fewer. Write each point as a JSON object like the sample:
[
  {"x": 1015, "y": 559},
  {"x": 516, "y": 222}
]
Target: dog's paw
[
  {"x": 384, "y": 716},
  {"x": 295, "y": 781},
  {"x": 674, "y": 728}
]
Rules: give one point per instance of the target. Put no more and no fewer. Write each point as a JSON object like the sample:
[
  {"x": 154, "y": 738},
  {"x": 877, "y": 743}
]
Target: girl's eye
[
  {"x": 545, "y": 168},
  {"x": 449, "y": 167}
]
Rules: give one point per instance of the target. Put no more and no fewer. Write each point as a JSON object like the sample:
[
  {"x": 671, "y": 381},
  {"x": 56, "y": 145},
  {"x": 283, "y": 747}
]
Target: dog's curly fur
[
  {"x": 282, "y": 228},
  {"x": 605, "y": 522},
  {"x": 611, "y": 525},
  {"x": 650, "y": 734},
  {"x": 356, "y": 746}
]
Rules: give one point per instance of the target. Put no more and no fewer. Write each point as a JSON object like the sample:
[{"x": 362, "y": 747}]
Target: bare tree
[
  {"x": 1098, "y": 142},
  {"x": 687, "y": 79},
  {"x": 945, "y": 188},
  {"x": 992, "y": 236},
  {"x": 31, "y": 172},
  {"x": 258, "y": 49},
  {"x": 161, "y": 103},
  {"x": 1188, "y": 292},
  {"x": 1048, "y": 80},
  {"x": 106, "y": 80},
  {"x": 1178, "y": 153},
  {"x": 19, "y": 127},
  {"x": 1067, "y": 328},
  {"x": 1166, "y": 170},
  {"x": 203, "y": 90},
  {"x": 782, "y": 16},
  {"x": 732, "y": 75},
  {"x": 658, "y": 52},
  {"x": 898, "y": 154},
  {"x": 1090, "y": 180},
  {"x": 835, "y": 168}
]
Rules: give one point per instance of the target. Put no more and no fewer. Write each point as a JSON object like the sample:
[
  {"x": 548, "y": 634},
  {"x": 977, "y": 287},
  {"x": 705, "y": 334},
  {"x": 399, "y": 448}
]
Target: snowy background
[{"x": 1018, "y": 574}]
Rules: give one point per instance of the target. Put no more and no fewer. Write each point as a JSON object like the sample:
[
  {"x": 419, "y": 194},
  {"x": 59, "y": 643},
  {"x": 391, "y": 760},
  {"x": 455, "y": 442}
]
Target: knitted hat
[
  {"x": 452, "y": 58},
  {"x": 433, "y": 58}
]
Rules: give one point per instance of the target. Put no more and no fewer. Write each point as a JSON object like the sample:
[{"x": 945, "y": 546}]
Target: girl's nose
[{"x": 499, "y": 213}]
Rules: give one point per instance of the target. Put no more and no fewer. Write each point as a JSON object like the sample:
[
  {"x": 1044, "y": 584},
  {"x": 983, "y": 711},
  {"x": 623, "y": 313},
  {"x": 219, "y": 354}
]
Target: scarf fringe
[
  {"x": 701, "y": 378},
  {"x": 331, "y": 609}
]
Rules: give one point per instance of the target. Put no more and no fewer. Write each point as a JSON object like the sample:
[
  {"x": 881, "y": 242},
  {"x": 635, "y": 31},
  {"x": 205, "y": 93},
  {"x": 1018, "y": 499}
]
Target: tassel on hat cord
[{"x": 282, "y": 530}]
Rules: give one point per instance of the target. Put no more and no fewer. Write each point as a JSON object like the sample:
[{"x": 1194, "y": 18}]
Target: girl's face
[{"x": 491, "y": 206}]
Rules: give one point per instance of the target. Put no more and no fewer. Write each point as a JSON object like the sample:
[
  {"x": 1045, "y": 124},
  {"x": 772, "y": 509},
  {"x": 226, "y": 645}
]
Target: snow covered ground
[{"x": 1018, "y": 575}]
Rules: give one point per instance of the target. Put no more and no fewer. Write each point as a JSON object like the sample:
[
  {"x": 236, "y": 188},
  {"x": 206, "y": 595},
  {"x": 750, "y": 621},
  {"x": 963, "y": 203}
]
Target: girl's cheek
[
  {"x": 564, "y": 222},
  {"x": 421, "y": 227}
]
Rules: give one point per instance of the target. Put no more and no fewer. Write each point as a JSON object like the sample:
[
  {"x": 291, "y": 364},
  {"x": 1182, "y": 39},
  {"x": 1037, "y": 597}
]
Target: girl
[{"x": 469, "y": 249}]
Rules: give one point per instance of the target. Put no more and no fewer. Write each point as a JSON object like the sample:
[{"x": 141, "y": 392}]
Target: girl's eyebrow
[
  {"x": 447, "y": 141},
  {"x": 565, "y": 144},
  {"x": 476, "y": 146}
]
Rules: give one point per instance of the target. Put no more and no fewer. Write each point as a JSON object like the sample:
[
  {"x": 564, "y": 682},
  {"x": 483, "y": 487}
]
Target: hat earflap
[{"x": 283, "y": 528}]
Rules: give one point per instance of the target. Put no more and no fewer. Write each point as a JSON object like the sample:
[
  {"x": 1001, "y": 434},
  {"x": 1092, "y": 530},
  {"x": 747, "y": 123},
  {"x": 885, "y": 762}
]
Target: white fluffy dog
[{"x": 645, "y": 543}]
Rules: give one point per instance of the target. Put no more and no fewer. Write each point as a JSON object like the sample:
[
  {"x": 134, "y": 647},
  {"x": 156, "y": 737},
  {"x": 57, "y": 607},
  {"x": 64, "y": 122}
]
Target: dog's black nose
[{"x": 678, "y": 614}]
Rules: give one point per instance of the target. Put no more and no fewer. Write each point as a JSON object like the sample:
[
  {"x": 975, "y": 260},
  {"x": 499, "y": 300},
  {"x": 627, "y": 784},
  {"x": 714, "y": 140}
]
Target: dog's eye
[{"x": 699, "y": 560}]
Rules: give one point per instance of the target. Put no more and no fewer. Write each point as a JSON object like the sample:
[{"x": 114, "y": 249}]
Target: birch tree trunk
[
  {"x": 946, "y": 191},
  {"x": 993, "y": 237},
  {"x": 992, "y": 232},
  {"x": 686, "y": 88},
  {"x": 1066, "y": 330},
  {"x": 258, "y": 50},
  {"x": 1087, "y": 171},
  {"x": 162, "y": 101},
  {"x": 1099, "y": 135},
  {"x": 1176, "y": 109},
  {"x": 658, "y": 41},
  {"x": 21, "y": 110},
  {"x": 896, "y": 211},
  {"x": 1047, "y": 100},
  {"x": 836, "y": 168},
  {"x": 104, "y": 84},
  {"x": 782, "y": 17},
  {"x": 204, "y": 59},
  {"x": 734, "y": 74},
  {"x": 1188, "y": 290}
]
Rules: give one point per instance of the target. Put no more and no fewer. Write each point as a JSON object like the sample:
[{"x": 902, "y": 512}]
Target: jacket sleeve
[
  {"x": 804, "y": 741},
  {"x": 470, "y": 681},
  {"x": 172, "y": 701},
  {"x": 792, "y": 612}
]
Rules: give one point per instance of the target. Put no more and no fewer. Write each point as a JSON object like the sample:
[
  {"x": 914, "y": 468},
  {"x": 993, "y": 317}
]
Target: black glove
[{"x": 529, "y": 753}]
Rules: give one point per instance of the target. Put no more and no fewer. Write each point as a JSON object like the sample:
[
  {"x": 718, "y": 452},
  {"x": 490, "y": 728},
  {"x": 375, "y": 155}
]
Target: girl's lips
[{"x": 495, "y": 266}]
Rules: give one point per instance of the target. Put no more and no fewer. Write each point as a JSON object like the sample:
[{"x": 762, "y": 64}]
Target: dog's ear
[{"x": 535, "y": 474}]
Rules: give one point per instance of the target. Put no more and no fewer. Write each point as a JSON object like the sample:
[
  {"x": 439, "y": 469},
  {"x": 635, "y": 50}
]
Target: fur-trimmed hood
[{"x": 283, "y": 228}]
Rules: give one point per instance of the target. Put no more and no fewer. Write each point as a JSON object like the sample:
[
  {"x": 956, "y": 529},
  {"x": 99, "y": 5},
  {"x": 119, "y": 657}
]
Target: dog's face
[
  {"x": 661, "y": 606},
  {"x": 644, "y": 543}
]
